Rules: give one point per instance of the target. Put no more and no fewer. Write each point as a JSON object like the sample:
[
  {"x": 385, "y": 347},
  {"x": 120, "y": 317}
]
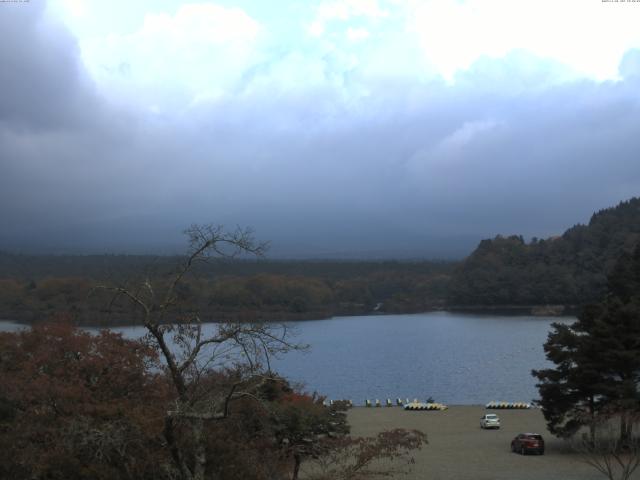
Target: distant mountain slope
[{"x": 566, "y": 270}]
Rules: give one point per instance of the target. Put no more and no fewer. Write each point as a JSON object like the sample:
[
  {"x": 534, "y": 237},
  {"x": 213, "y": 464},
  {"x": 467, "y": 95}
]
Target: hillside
[
  {"x": 35, "y": 287},
  {"x": 567, "y": 270}
]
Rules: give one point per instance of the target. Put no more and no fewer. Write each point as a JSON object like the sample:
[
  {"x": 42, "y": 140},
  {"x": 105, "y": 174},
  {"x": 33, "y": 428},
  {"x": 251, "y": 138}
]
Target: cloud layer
[{"x": 335, "y": 137}]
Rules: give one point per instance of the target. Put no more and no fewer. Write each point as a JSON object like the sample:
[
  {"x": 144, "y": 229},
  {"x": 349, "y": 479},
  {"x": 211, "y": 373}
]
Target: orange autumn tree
[{"x": 75, "y": 405}]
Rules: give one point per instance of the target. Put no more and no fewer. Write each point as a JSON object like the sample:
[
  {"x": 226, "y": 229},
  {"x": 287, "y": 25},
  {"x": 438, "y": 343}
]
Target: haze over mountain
[{"x": 350, "y": 128}]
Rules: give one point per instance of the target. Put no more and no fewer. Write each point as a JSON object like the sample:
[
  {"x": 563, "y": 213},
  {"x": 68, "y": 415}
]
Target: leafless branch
[
  {"x": 190, "y": 353},
  {"x": 606, "y": 451}
]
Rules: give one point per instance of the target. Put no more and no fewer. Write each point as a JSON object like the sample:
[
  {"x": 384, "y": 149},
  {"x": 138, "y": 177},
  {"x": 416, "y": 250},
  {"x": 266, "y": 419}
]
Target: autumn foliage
[{"x": 76, "y": 405}]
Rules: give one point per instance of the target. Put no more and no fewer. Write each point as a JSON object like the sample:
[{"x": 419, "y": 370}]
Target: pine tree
[
  {"x": 569, "y": 393},
  {"x": 597, "y": 359}
]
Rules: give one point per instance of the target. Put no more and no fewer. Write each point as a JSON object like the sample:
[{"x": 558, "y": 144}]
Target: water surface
[{"x": 455, "y": 358}]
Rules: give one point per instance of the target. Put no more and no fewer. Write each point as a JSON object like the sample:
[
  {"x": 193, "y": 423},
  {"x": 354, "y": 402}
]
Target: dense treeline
[
  {"x": 119, "y": 267},
  {"x": 33, "y": 288},
  {"x": 568, "y": 270}
]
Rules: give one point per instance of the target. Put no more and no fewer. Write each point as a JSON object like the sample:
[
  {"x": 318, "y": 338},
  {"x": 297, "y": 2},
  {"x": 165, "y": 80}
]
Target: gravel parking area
[{"x": 459, "y": 449}]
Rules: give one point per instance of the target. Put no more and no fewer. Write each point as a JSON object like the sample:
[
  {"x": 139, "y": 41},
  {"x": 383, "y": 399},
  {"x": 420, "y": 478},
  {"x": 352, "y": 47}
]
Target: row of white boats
[{"x": 430, "y": 405}]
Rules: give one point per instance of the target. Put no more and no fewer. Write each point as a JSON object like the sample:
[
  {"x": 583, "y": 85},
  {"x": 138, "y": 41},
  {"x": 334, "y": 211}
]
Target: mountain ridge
[{"x": 570, "y": 269}]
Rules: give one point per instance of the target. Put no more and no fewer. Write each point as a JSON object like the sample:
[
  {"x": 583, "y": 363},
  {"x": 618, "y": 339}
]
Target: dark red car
[{"x": 528, "y": 442}]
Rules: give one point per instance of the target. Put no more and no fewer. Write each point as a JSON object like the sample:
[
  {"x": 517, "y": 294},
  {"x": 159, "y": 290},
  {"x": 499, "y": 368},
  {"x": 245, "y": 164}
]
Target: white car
[{"x": 490, "y": 420}]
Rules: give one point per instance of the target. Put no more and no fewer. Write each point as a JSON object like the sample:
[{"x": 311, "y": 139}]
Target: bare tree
[
  {"x": 190, "y": 352},
  {"x": 616, "y": 457},
  {"x": 386, "y": 455}
]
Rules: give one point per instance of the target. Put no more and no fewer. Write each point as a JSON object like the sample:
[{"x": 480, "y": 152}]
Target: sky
[{"x": 333, "y": 128}]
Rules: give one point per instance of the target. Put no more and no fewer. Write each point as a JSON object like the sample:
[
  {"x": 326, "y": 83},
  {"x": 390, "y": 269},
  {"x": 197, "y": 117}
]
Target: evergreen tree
[
  {"x": 570, "y": 269},
  {"x": 597, "y": 358},
  {"x": 569, "y": 393}
]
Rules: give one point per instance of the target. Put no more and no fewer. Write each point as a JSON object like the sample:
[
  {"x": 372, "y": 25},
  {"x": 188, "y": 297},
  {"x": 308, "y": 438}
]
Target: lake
[{"x": 455, "y": 358}]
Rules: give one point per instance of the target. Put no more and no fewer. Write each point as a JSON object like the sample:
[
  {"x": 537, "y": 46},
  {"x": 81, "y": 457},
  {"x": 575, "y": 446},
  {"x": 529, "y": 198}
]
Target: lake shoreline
[
  {"x": 456, "y": 358},
  {"x": 542, "y": 310},
  {"x": 560, "y": 311}
]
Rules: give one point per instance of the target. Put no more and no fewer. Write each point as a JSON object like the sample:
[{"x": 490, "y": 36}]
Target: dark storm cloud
[
  {"x": 469, "y": 161},
  {"x": 409, "y": 169},
  {"x": 60, "y": 148},
  {"x": 41, "y": 79}
]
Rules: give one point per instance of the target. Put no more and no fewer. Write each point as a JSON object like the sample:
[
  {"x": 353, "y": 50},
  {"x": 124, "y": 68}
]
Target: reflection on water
[{"x": 454, "y": 358}]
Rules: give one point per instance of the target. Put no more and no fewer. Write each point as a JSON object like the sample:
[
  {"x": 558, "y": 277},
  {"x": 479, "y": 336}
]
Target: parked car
[
  {"x": 528, "y": 442},
  {"x": 490, "y": 420}
]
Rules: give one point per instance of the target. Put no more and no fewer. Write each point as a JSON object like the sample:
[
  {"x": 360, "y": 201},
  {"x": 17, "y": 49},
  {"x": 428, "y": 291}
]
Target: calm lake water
[{"x": 454, "y": 358}]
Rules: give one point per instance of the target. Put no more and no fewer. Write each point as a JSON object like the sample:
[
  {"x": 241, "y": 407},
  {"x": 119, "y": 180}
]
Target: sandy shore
[{"x": 459, "y": 449}]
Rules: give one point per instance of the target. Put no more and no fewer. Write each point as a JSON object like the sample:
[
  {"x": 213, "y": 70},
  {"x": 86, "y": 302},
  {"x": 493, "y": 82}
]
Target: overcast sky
[{"x": 337, "y": 128}]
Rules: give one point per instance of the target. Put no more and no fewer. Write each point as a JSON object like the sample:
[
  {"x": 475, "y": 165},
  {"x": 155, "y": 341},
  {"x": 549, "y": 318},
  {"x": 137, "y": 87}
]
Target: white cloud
[
  {"x": 357, "y": 34},
  {"x": 316, "y": 28},
  {"x": 76, "y": 8},
  {"x": 465, "y": 134},
  {"x": 200, "y": 51},
  {"x": 450, "y": 151},
  {"x": 588, "y": 36},
  {"x": 343, "y": 11},
  {"x": 195, "y": 52},
  {"x": 334, "y": 10}
]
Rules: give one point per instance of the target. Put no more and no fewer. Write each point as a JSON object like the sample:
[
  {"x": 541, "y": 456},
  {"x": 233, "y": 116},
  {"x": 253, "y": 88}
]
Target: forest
[
  {"x": 570, "y": 269},
  {"x": 505, "y": 272},
  {"x": 32, "y": 288}
]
